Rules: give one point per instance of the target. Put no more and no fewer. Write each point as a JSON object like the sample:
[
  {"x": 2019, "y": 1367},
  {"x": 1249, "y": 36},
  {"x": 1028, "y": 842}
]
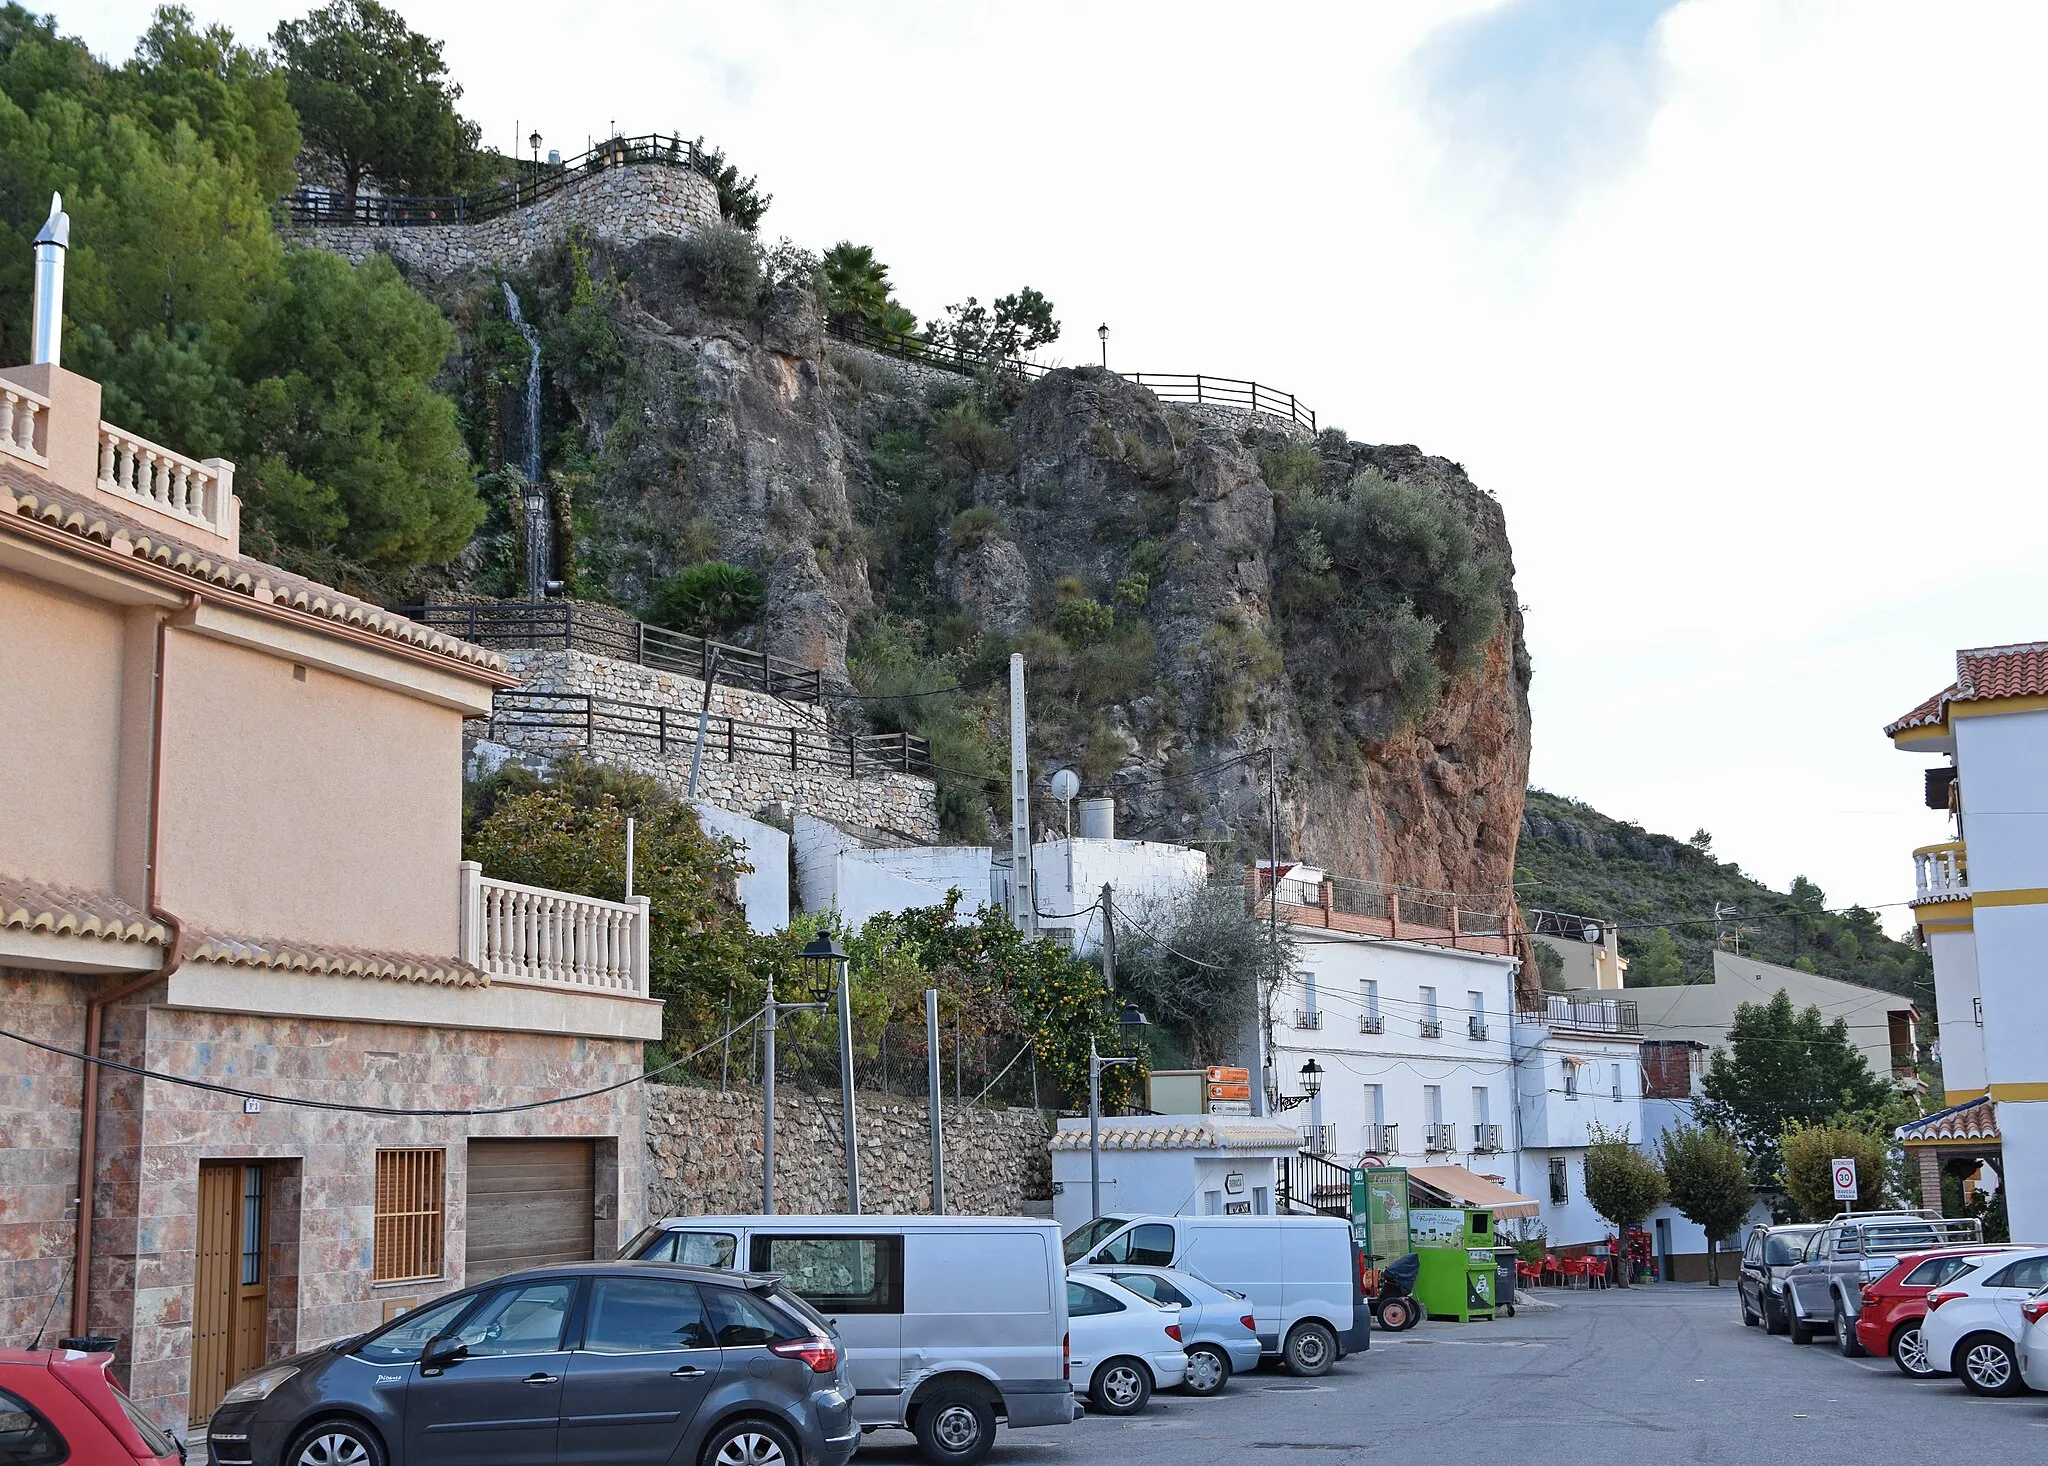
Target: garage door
[{"x": 531, "y": 1203}]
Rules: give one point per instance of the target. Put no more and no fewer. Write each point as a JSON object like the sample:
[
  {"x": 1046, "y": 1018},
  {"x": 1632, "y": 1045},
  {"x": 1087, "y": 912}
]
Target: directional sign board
[{"x": 1845, "y": 1178}]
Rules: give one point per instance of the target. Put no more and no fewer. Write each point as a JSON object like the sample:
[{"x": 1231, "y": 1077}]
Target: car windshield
[
  {"x": 1782, "y": 1248},
  {"x": 1084, "y": 1239},
  {"x": 402, "y": 1341}
]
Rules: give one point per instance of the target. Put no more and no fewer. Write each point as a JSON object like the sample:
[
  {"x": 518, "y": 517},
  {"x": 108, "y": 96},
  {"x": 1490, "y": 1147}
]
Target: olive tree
[
  {"x": 1623, "y": 1184},
  {"x": 1707, "y": 1173}
]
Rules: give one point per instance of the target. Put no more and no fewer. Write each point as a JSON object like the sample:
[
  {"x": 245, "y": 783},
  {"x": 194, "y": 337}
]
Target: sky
[{"x": 1735, "y": 305}]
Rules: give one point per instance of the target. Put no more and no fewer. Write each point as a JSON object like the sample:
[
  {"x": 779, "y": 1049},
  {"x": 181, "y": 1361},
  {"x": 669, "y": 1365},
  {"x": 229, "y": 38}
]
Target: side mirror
[{"x": 442, "y": 1350}]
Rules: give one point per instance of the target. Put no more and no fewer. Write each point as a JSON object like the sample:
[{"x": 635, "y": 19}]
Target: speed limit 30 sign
[{"x": 1845, "y": 1178}]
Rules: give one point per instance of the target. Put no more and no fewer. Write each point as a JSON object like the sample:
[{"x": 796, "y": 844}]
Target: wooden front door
[{"x": 231, "y": 1282}]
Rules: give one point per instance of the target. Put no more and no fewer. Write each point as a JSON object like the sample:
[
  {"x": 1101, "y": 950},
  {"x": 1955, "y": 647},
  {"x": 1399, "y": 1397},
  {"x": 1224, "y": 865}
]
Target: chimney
[{"x": 47, "y": 334}]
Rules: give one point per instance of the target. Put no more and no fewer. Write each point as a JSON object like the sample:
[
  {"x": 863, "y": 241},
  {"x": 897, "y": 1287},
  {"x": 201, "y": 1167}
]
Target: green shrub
[
  {"x": 1238, "y": 661},
  {"x": 1133, "y": 591},
  {"x": 972, "y": 527},
  {"x": 709, "y": 599},
  {"x": 968, "y": 444},
  {"x": 1292, "y": 471},
  {"x": 724, "y": 267},
  {"x": 1083, "y": 621}
]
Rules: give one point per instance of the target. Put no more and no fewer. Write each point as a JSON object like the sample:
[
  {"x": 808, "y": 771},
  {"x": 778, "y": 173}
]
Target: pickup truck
[{"x": 1824, "y": 1293}]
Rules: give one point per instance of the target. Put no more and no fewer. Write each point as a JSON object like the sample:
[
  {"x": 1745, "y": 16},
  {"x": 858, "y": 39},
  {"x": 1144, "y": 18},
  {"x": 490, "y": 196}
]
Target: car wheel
[
  {"x": 1802, "y": 1332},
  {"x": 1774, "y": 1317},
  {"x": 1208, "y": 1370},
  {"x": 1987, "y": 1366},
  {"x": 1845, "y": 1334},
  {"x": 336, "y": 1443},
  {"x": 955, "y": 1427},
  {"x": 1909, "y": 1352},
  {"x": 1123, "y": 1386},
  {"x": 1310, "y": 1350},
  {"x": 1749, "y": 1318},
  {"x": 750, "y": 1442},
  {"x": 1397, "y": 1314}
]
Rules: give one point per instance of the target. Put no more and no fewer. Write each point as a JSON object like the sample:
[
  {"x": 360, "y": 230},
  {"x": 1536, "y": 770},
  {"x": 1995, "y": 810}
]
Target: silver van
[
  {"x": 949, "y": 1323},
  {"x": 1300, "y": 1274}
]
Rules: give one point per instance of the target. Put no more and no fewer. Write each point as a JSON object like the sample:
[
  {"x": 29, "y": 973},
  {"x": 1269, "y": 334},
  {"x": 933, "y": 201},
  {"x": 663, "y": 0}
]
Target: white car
[
  {"x": 1123, "y": 1345},
  {"x": 2034, "y": 1341},
  {"x": 1973, "y": 1323}
]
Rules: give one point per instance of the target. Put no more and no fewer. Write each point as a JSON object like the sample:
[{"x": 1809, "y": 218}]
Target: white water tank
[{"x": 1098, "y": 818}]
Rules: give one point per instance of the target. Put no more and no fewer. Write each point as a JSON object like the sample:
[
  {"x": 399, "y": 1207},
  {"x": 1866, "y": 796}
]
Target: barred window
[{"x": 409, "y": 1224}]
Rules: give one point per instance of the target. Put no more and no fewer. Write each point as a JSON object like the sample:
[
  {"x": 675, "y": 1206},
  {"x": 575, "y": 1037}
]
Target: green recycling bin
[{"x": 1456, "y": 1250}]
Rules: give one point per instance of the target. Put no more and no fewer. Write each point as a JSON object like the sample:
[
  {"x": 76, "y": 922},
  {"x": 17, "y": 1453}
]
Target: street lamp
[
  {"x": 771, "y": 1012},
  {"x": 1311, "y": 1086},
  {"x": 1311, "y": 1078},
  {"x": 826, "y": 968},
  {"x": 1102, "y": 335},
  {"x": 533, "y": 141},
  {"x": 1129, "y": 1021}
]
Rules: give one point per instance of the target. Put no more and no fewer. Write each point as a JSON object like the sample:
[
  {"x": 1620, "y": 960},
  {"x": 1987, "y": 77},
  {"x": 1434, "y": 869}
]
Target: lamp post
[
  {"x": 826, "y": 967},
  {"x": 1102, "y": 335},
  {"x": 1311, "y": 1086},
  {"x": 533, "y": 142},
  {"x": 771, "y": 1011},
  {"x": 1129, "y": 1021}
]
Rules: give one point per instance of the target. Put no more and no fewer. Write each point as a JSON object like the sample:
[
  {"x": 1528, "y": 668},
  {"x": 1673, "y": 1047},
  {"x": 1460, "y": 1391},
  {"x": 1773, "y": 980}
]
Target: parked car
[
  {"x": 1894, "y": 1304},
  {"x": 950, "y": 1323},
  {"x": 1125, "y": 1346},
  {"x": 1824, "y": 1292},
  {"x": 1216, "y": 1327},
  {"x": 60, "y": 1405},
  {"x": 1973, "y": 1323},
  {"x": 2034, "y": 1342},
  {"x": 1300, "y": 1274},
  {"x": 635, "y": 1364},
  {"x": 1768, "y": 1255}
]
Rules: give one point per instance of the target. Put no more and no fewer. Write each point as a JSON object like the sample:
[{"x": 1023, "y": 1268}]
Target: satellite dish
[
  {"x": 1065, "y": 784},
  {"x": 1591, "y": 933}
]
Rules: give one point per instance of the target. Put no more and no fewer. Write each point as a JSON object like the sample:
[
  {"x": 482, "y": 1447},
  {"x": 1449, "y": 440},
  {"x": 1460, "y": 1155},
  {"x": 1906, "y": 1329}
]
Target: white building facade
[{"x": 1578, "y": 1065}]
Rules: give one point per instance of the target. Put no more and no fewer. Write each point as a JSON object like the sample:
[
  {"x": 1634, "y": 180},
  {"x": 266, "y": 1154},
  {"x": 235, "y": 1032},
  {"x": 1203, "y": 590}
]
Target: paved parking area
[{"x": 1621, "y": 1378}]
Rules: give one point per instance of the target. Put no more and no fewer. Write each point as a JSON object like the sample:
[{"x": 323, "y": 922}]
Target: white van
[
  {"x": 949, "y": 1323},
  {"x": 1300, "y": 1274}
]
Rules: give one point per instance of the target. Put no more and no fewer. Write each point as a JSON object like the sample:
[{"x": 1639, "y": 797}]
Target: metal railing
[
  {"x": 1439, "y": 1139},
  {"x": 540, "y": 625},
  {"x": 562, "y": 720},
  {"x": 1197, "y": 388},
  {"x": 1371, "y": 1023},
  {"x": 1315, "y": 1183},
  {"x": 1485, "y": 1139},
  {"x": 1470, "y": 922},
  {"x": 1604, "y": 1015},
  {"x": 533, "y": 182},
  {"x": 1431, "y": 1028},
  {"x": 1308, "y": 1018},
  {"x": 1475, "y": 1027},
  {"x": 1383, "y": 1140}
]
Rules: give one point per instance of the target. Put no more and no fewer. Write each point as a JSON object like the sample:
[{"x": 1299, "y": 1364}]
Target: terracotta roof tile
[
  {"x": 1975, "y": 1119},
  {"x": 263, "y": 583},
  {"x": 69, "y": 911},
  {"x": 1193, "y": 1133},
  {"x": 2020, "y": 670}
]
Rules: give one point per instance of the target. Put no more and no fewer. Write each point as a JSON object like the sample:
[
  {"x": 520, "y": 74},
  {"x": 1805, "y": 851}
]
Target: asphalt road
[{"x": 1619, "y": 1378}]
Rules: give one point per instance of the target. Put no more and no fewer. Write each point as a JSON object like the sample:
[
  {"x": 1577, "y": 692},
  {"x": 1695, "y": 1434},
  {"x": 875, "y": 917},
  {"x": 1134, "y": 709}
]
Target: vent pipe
[
  {"x": 1098, "y": 819},
  {"x": 46, "y": 337}
]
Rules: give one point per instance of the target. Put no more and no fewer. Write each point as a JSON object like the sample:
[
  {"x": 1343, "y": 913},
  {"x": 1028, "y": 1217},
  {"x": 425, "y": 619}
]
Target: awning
[{"x": 1465, "y": 1189}]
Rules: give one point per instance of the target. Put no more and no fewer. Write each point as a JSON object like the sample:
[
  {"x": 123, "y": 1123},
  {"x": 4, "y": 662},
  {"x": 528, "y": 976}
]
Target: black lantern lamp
[
  {"x": 1102, "y": 335},
  {"x": 1311, "y": 1078},
  {"x": 822, "y": 959}
]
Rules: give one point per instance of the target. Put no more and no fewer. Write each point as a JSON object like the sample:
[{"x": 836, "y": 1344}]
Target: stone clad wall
[
  {"x": 704, "y": 1155},
  {"x": 904, "y": 803},
  {"x": 624, "y": 205}
]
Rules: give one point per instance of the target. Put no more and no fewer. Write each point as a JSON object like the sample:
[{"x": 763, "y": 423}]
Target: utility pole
[
  {"x": 1264, "y": 1035},
  {"x": 704, "y": 719},
  {"x": 1023, "y": 899},
  {"x": 1108, "y": 938},
  {"x": 770, "y": 1011},
  {"x": 1096, "y": 1064},
  {"x": 931, "y": 1054}
]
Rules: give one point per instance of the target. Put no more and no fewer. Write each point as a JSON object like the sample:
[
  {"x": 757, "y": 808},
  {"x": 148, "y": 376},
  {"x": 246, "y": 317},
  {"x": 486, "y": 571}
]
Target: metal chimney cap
[{"x": 56, "y": 228}]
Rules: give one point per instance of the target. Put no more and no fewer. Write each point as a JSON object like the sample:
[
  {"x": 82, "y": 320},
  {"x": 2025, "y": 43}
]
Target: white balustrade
[
  {"x": 1940, "y": 874},
  {"x": 137, "y": 469},
  {"x": 24, "y": 423},
  {"x": 553, "y": 938}
]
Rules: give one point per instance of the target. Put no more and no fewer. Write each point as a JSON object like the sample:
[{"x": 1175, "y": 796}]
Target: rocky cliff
[{"x": 1185, "y": 584}]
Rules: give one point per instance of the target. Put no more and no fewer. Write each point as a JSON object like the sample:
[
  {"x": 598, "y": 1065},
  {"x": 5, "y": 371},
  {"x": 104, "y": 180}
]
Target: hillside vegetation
[{"x": 1664, "y": 892}]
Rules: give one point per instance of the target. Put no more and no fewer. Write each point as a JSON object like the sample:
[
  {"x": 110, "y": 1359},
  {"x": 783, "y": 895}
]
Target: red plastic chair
[
  {"x": 1528, "y": 1272},
  {"x": 1553, "y": 1269}
]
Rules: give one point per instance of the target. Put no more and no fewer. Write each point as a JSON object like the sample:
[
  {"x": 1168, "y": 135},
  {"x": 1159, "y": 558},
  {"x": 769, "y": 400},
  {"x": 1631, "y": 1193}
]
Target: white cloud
[{"x": 1755, "y": 380}]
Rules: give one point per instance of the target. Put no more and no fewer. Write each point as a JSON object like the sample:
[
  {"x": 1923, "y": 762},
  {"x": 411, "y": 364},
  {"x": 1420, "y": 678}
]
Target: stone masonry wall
[
  {"x": 623, "y": 205},
  {"x": 704, "y": 1155},
  {"x": 904, "y": 803}
]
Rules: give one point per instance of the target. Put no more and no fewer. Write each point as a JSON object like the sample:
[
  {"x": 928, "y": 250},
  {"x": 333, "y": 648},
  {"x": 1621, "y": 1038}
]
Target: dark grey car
[{"x": 628, "y": 1364}]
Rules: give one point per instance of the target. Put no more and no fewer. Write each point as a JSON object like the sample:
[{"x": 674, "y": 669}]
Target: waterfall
[{"x": 539, "y": 533}]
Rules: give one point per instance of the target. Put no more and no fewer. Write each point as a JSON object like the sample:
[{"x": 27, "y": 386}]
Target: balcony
[
  {"x": 1319, "y": 1139},
  {"x": 1383, "y": 1140},
  {"x": 1371, "y": 1023},
  {"x": 1940, "y": 873},
  {"x": 1431, "y": 1028},
  {"x": 1308, "y": 1018},
  {"x": 553, "y": 939},
  {"x": 1475, "y": 1028},
  {"x": 1486, "y": 1139},
  {"x": 1439, "y": 1139},
  {"x": 1605, "y": 1015},
  {"x": 135, "y": 469}
]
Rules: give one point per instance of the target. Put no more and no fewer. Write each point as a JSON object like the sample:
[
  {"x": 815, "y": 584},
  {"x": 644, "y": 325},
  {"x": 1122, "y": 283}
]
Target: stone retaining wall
[
  {"x": 907, "y": 804},
  {"x": 704, "y": 1155},
  {"x": 623, "y": 205}
]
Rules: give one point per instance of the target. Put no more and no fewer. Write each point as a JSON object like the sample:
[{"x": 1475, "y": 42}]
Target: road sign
[{"x": 1845, "y": 1179}]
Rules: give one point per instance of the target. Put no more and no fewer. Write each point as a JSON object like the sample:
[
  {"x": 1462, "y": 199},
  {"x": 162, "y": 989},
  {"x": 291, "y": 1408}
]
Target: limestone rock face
[{"x": 990, "y": 580}]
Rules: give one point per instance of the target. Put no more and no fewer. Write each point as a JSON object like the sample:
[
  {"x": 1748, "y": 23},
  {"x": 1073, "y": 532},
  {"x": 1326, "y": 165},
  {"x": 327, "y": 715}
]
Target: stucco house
[{"x": 230, "y": 856}]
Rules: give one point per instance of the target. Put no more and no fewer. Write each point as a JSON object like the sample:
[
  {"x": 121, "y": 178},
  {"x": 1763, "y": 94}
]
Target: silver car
[{"x": 1216, "y": 1325}]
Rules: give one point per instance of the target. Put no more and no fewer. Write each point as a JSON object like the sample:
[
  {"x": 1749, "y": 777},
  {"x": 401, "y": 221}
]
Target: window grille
[{"x": 409, "y": 1229}]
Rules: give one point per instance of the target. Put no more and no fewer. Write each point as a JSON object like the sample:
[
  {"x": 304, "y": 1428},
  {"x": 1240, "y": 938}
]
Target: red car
[
  {"x": 1894, "y": 1304},
  {"x": 59, "y": 1405}
]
